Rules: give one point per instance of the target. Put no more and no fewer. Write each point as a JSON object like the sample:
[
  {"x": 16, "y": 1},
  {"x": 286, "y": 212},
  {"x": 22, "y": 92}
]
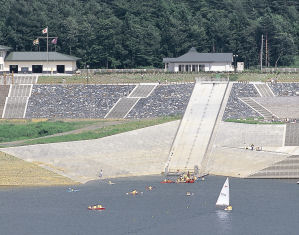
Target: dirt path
[{"x": 77, "y": 131}]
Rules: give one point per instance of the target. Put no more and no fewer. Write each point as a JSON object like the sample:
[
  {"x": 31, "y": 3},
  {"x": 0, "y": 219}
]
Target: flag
[
  {"x": 35, "y": 42},
  {"x": 54, "y": 41},
  {"x": 45, "y": 30}
]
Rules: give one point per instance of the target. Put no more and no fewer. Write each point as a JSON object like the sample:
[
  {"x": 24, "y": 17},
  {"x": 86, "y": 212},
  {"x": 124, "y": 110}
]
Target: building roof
[
  {"x": 4, "y": 48},
  {"x": 192, "y": 56},
  {"x": 39, "y": 56}
]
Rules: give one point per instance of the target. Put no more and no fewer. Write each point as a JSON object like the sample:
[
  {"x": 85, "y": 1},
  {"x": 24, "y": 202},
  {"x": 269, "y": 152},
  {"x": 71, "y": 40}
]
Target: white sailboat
[{"x": 223, "y": 199}]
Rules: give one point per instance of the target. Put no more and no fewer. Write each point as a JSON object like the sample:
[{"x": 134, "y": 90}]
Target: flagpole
[{"x": 48, "y": 47}]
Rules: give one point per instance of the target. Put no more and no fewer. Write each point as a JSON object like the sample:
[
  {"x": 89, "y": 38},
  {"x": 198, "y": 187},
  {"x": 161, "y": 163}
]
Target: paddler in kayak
[
  {"x": 96, "y": 207},
  {"x": 149, "y": 188},
  {"x": 134, "y": 192}
]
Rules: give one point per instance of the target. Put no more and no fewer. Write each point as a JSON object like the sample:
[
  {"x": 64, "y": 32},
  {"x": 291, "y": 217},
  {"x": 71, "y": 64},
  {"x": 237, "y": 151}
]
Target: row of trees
[{"x": 133, "y": 33}]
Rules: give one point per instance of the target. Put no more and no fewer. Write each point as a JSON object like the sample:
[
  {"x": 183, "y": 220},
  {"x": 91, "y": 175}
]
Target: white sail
[{"x": 223, "y": 199}]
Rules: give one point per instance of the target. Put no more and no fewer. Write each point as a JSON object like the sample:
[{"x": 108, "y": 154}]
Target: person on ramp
[{"x": 101, "y": 174}]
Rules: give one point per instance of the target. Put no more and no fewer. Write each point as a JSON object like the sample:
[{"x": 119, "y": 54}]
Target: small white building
[
  {"x": 3, "y": 52},
  {"x": 36, "y": 62},
  {"x": 193, "y": 61}
]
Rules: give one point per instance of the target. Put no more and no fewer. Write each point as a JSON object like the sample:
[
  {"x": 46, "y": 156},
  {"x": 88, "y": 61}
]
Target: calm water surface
[{"x": 259, "y": 207}]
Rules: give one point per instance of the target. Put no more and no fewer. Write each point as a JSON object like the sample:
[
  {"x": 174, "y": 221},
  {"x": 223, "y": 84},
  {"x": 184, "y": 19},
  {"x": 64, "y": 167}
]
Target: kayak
[
  {"x": 70, "y": 190},
  {"x": 96, "y": 208},
  {"x": 186, "y": 182},
  {"x": 134, "y": 192},
  {"x": 189, "y": 181},
  {"x": 167, "y": 182}
]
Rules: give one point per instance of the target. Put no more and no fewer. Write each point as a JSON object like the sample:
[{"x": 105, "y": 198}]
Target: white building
[
  {"x": 193, "y": 61},
  {"x": 36, "y": 62},
  {"x": 3, "y": 52}
]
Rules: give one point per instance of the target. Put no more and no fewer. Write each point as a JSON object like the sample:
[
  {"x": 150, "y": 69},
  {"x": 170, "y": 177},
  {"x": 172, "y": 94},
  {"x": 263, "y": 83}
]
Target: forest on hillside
[{"x": 135, "y": 33}]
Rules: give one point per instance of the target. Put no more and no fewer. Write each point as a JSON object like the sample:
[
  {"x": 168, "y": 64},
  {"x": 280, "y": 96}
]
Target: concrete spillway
[{"x": 196, "y": 128}]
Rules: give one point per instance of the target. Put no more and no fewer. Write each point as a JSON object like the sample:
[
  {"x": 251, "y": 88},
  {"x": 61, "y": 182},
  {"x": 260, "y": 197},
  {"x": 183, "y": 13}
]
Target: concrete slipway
[{"x": 145, "y": 152}]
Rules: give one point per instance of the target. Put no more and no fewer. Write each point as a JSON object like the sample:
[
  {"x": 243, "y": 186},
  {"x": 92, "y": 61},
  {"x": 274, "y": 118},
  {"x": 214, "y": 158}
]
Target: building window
[
  {"x": 14, "y": 68},
  {"x": 1, "y": 54},
  {"x": 187, "y": 68},
  {"x": 180, "y": 68},
  {"x": 37, "y": 68},
  {"x": 60, "y": 68},
  {"x": 1, "y": 67}
]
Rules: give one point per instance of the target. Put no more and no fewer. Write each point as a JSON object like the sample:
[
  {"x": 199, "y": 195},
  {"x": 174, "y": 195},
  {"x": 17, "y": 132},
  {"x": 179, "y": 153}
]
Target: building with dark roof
[
  {"x": 36, "y": 62},
  {"x": 194, "y": 61}
]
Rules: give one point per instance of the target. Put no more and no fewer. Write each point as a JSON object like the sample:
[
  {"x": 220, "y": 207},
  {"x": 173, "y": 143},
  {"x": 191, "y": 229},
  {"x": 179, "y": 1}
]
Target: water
[{"x": 259, "y": 207}]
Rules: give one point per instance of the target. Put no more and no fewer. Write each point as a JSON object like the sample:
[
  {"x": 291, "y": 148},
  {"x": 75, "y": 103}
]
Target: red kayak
[
  {"x": 186, "y": 182},
  {"x": 167, "y": 182},
  {"x": 189, "y": 181}
]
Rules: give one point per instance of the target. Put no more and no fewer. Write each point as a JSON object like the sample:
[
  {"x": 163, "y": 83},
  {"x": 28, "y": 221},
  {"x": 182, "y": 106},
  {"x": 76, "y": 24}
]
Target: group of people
[{"x": 186, "y": 177}]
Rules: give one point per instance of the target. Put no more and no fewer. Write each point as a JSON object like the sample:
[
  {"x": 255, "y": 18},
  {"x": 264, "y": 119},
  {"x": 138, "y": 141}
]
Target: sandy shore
[{"x": 17, "y": 172}]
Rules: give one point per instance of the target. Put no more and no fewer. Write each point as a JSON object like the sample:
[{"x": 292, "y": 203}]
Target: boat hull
[{"x": 167, "y": 182}]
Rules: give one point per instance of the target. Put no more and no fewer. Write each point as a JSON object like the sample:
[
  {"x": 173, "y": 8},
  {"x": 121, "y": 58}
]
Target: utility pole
[
  {"x": 266, "y": 62},
  {"x": 261, "y": 55}
]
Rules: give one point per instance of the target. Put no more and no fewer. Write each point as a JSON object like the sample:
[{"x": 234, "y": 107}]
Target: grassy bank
[
  {"x": 164, "y": 78},
  {"x": 104, "y": 131},
  {"x": 252, "y": 121},
  {"x": 20, "y": 130},
  {"x": 16, "y": 172},
  {"x": 117, "y": 78}
]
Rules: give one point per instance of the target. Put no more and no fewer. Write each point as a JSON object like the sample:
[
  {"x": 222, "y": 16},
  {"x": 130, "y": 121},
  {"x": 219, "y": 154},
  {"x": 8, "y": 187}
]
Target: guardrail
[
  {"x": 283, "y": 70},
  {"x": 107, "y": 71}
]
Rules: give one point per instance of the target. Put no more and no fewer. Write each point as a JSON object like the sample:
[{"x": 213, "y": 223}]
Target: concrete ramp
[
  {"x": 16, "y": 102},
  {"x": 196, "y": 128}
]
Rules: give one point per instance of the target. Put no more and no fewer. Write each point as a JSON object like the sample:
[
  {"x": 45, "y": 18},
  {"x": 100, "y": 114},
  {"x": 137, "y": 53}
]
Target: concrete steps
[
  {"x": 257, "y": 107},
  {"x": 292, "y": 134},
  {"x": 122, "y": 108},
  {"x": 264, "y": 90},
  {"x": 142, "y": 91},
  {"x": 16, "y": 102},
  {"x": 288, "y": 168},
  {"x": 15, "y": 107},
  {"x": 126, "y": 104},
  {"x": 4, "y": 89},
  {"x": 18, "y": 79}
]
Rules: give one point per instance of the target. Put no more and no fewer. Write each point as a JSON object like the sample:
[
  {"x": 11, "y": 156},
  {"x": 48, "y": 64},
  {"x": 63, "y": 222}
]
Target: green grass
[
  {"x": 117, "y": 78},
  {"x": 12, "y": 131},
  {"x": 265, "y": 77},
  {"x": 252, "y": 121},
  {"x": 104, "y": 131}
]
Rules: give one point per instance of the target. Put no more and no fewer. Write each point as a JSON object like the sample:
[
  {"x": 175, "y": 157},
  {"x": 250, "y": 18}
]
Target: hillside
[{"x": 131, "y": 33}]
